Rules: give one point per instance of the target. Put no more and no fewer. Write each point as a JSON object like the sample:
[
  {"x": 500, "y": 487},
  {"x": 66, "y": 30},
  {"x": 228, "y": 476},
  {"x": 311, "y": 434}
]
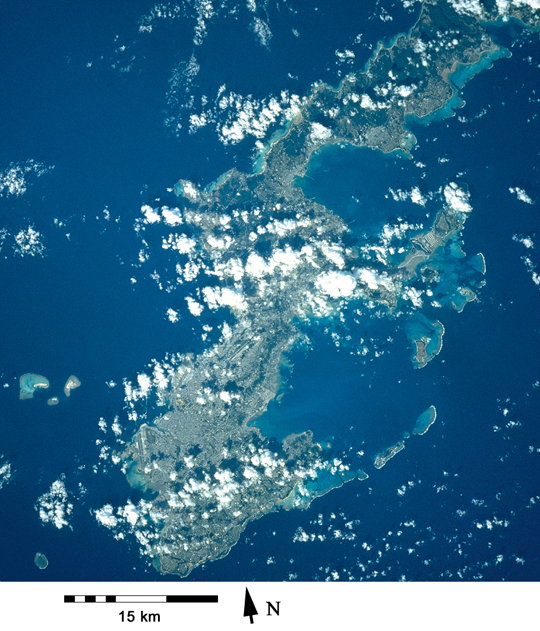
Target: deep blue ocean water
[{"x": 427, "y": 514}]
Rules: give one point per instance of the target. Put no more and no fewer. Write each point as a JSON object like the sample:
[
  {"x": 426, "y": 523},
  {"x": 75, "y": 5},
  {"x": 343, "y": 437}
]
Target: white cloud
[
  {"x": 413, "y": 295},
  {"x": 150, "y": 214},
  {"x": 190, "y": 191},
  {"x": 219, "y": 243},
  {"x": 345, "y": 56},
  {"x": 262, "y": 30},
  {"x": 414, "y": 195},
  {"x": 319, "y": 133},
  {"x": 14, "y": 179},
  {"x": 526, "y": 241},
  {"x": 145, "y": 383},
  {"x": 115, "y": 427},
  {"x": 105, "y": 516},
  {"x": 286, "y": 259},
  {"x": 503, "y": 7},
  {"x": 189, "y": 272},
  {"x": 334, "y": 253},
  {"x": 257, "y": 266},
  {"x": 521, "y": 195},
  {"x": 179, "y": 242},
  {"x": 172, "y": 315},
  {"x": 336, "y": 284},
  {"x": 250, "y": 473},
  {"x": 375, "y": 280},
  {"x": 29, "y": 243},
  {"x": 457, "y": 198},
  {"x": 53, "y": 507},
  {"x": 130, "y": 513},
  {"x": 367, "y": 102},
  {"x": 470, "y": 7},
  {"x": 195, "y": 308},
  {"x": 232, "y": 268},
  {"x": 171, "y": 216},
  {"x": 6, "y": 472},
  {"x": 247, "y": 116},
  {"x": 530, "y": 265},
  {"x": 216, "y": 297}
]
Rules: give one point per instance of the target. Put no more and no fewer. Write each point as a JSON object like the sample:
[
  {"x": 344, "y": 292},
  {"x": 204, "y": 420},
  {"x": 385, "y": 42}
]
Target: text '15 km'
[{"x": 129, "y": 616}]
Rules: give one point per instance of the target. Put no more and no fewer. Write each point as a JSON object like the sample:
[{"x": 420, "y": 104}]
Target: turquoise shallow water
[{"x": 480, "y": 449}]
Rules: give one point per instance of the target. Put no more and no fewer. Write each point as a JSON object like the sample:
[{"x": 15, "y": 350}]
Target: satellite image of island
[{"x": 289, "y": 250}]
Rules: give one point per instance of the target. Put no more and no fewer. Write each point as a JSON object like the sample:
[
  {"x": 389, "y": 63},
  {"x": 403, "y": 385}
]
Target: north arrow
[{"x": 249, "y": 607}]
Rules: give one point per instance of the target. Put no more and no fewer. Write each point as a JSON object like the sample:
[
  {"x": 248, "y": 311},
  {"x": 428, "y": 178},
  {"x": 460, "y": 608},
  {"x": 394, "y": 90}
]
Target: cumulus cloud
[
  {"x": 173, "y": 315},
  {"x": 216, "y": 297},
  {"x": 179, "y": 242},
  {"x": 521, "y": 194},
  {"x": 246, "y": 116},
  {"x": 14, "y": 180},
  {"x": 195, "y": 308},
  {"x": 258, "y": 267},
  {"x": 345, "y": 56},
  {"x": 155, "y": 382},
  {"x": 375, "y": 280},
  {"x": 530, "y": 265},
  {"x": 106, "y": 517},
  {"x": 502, "y": 8},
  {"x": 262, "y": 30},
  {"x": 414, "y": 195},
  {"x": 470, "y": 7},
  {"x": 414, "y": 295},
  {"x": 150, "y": 215},
  {"x": 6, "y": 472},
  {"x": 53, "y": 507},
  {"x": 457, "y": 198},
  {"x": 336, "y": 284},
  {"x": 170, "y": 216},
  {"x": 29, "y": 242},
  {"x": 319, "y": 133}
]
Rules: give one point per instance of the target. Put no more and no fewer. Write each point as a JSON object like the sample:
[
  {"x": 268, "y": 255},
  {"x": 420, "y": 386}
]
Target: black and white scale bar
[{"x": 171, "y": 598}]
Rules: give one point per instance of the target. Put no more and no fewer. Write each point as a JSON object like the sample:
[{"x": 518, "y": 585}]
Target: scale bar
[{"x": 170, "y": 598}]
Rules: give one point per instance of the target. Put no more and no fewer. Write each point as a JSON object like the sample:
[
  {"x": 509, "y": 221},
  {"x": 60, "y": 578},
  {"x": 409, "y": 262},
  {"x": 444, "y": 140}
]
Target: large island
[{"x": 281, "y": 260}]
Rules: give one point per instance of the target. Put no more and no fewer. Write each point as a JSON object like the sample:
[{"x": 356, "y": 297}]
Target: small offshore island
[
  {"x": 41, "y": 561},
  {"x": 425, "y": 421},
  {"x": 283, "y": 260},
  {"x": 383, "y": 457},
  {"x": 427, "y": 339},
  {"x": 29, "y": 382},
  {"x": 71, "y": 384}
]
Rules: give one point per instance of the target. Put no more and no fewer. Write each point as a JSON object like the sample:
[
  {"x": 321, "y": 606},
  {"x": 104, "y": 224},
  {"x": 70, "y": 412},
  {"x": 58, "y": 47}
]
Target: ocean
[{"x": 460, "y": 502}]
